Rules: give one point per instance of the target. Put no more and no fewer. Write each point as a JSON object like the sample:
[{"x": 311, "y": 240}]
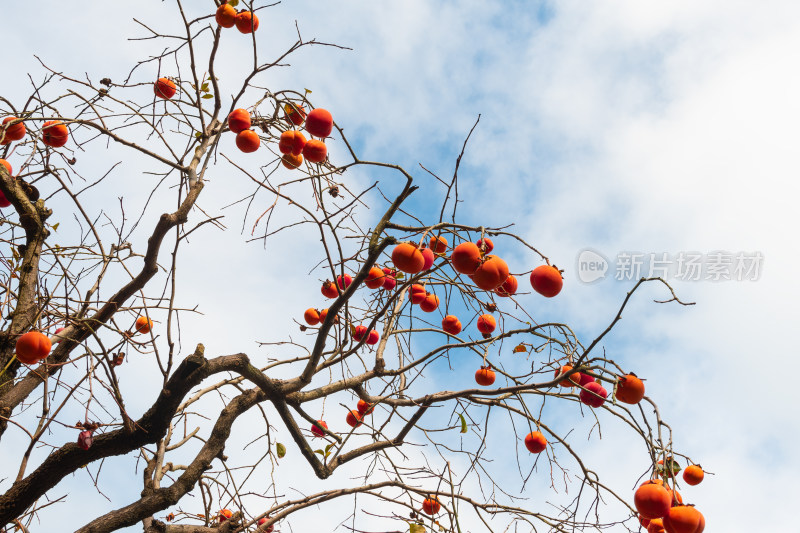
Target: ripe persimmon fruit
[
  {"x": 491, "y": 273},
  {"x": 268, "y": 529},
  {"x": 291, "y": 161},
  {"x": 431, "y": 505},
  {"x": 535, "y": 442},
  {"x": 54, "y": 133},
  {"x": 344, "y": 281},
  {"x": 375, "y": 278},
  {"x": 652, "y": 500},
  {"x": 389, "y": 283},
  {"x": 407, "y": 257},
  {"x": 677, "y": 498},
  {"x": 656, "y": 525},
  {"x": 311, "y": 316},
  {"x": 693, "y": 474},
  {"x": 508, "y": 287},
  {"x": 353, "y": 418},
  {"x": 466, "y": 258},
  {"x": 485, "y": 245},
  {"x": 296, "y": 114},
  {"x": 292, "y": 142},
  {"x": 319, "y": 122},
  {"x": 485, "y": 376},
  {"x": 593, "y": 394},
  {"x": 239, "y": 119},
  {"x": 630, "y": 389},
  {"x": 451, "y": 324},
  {"x": 248, "y": 141},
  {"x": 164, "y": 88},
  {"x": 13, "y": 133},
  {"x": 225, "y": 16},
  {"x": 246, "y": 22},
  {"x": 32, "y": 347},
  {"x": 324, "y": 313},
  {"x": 316, "y": 428},
  {"x": 427, "y": 255},
  {"x": 315, "y": 151},
  {"x": 486, "y": 323},
  {"x": 683, "y": 519},
  {"x": 674, "y": 496},
  {"x": 373, "y": 337},
  {"x": 574, "y": 379},
  {"x": 364, "y": 408},
  {"x": 417, "y": 294},
  {"x": 359, "y": 333},
  {"x": 546, "y": 280},
  {"x": 143, "y": 324},
  {"x": 329, "y": 289},
  {"x": 430, "y": 303},
  {"x": 438, "y": 244},
  {"x": 585, "y": 379}
]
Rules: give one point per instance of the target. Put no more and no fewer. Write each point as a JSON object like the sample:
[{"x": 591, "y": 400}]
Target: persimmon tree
[{"x": 406, "y": 299}]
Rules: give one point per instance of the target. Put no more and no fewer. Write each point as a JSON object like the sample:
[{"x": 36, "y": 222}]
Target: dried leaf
[
  {"x": 463, "y": 423},
  {"x": 281, "y": 449},
  {"x": 520, "y": 348}
]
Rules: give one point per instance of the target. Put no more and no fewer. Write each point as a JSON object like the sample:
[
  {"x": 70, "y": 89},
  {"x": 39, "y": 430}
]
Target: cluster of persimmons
[
  {"x": 292, "y": 143},
  {"x": 491, "y": 273},
  {"x": 244, "y": 20},
  {"x": 661, "y": 508},
  {"x": 488, "y": 272}
]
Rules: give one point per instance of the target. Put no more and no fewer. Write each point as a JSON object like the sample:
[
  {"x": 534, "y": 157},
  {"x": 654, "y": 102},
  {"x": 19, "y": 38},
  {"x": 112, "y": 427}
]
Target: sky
[{"x": 625, "y": 128}]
